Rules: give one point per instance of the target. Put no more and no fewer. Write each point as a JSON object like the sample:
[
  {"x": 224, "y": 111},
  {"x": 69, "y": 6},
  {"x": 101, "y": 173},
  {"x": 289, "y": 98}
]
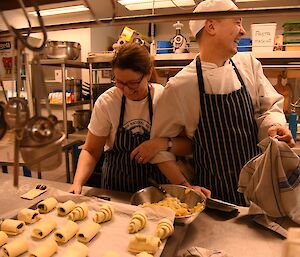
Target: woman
[{"x": 121, "y": 120}]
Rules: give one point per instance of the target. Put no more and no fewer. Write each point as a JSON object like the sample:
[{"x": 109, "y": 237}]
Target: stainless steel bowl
[
  {"x": 153, "y": 195},
  {"x": 62, "y": 50}
]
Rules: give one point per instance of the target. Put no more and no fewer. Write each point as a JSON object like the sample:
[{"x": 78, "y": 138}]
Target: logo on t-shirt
[{"x": 138, "y": 126}]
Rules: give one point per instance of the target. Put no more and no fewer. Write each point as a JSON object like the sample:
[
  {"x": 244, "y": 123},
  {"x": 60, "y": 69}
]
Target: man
[{"x": 223, "y": 102}]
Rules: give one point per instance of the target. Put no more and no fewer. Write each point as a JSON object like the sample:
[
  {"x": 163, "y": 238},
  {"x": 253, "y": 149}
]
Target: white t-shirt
[
  {"x": 179, "y": 106},
  {"x": 106, "y": 113}
]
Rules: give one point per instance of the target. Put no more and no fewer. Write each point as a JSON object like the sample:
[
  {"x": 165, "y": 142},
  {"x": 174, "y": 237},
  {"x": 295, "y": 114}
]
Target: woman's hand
[
  {"x": 204, "y": 191},
  {"x": 282, "y": 133},
  {"x": 75, "y": 189},
  {"x": 148, "y": 149}
]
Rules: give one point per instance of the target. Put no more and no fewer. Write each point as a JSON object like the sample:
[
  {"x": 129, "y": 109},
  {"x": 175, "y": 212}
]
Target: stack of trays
[{"x": 291, "y": 36}]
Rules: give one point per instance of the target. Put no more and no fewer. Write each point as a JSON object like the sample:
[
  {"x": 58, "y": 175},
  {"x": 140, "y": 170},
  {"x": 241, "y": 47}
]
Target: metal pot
[
  {"x": 62, "y": 50},
  {"x": 81, "y": 119}
]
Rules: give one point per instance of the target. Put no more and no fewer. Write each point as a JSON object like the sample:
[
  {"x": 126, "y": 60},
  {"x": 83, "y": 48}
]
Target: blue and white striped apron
[
  {"x": 226, "y": 138},
  {"x": 120, "y": 173}
]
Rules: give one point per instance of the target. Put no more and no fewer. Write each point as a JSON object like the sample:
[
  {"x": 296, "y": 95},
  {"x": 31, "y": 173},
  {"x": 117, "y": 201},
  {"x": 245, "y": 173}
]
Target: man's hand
[{"x": 282, "y": 133}]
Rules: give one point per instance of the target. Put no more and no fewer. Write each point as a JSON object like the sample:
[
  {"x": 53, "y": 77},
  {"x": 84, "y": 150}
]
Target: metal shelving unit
[{"x": 63, "y": 64}]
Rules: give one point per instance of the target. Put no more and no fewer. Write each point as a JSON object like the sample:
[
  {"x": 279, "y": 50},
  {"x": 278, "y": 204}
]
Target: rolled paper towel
[
  {"x": 137, "y": 222},
  {"x": 79, "y": 213},
  {"x": 164, "y": 228},
  {"x": 144, "y": 254},
  {"x": 3, "y": 238},
  {"x": 47, "y": 205},
  {"x": 76, "y": 249},
  {"x": 87, "y": 231},
  {"x": 65, "y": 208},
  {"x": 65, "y": 233},
  {"x": 15, "y": 248},
  {"x": 105, "y": 213},
  {"x": 144, "y": 243},
  {"x": 13, "y": 227},
  {"x": 110, "y": 254},
  {"x": 45, "y": 249},
  {"x": 29, "y": 216},
  {"x": 43, "y": 228}
]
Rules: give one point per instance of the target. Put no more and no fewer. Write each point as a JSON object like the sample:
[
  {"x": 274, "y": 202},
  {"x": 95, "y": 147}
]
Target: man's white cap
[{"x": 210, "y": 6}]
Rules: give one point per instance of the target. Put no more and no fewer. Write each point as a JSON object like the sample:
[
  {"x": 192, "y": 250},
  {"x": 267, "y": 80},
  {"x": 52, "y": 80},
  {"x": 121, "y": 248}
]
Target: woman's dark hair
[{"x": 133, "y": 56}]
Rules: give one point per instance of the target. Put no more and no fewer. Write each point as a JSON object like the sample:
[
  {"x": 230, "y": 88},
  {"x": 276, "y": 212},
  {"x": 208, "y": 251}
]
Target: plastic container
[
  {"x": 245, "y": 45},
  {"x": 291, "y": 35},
  {"x": 291, "y": 26},
  {"x": 292, "y": 45},
  {"x": 293, "y": 121},
  {"x": 164, "y": 47},
  {"x": 263, "y": 36}
]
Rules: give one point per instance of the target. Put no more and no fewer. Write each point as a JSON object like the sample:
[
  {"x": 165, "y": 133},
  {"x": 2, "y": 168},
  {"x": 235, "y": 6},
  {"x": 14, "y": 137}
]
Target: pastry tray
[{"x": 113, "y": 235}]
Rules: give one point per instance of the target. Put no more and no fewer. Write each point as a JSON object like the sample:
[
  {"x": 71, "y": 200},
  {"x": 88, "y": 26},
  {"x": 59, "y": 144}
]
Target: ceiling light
[
  {"x": 62, "y": 10},
  {"x": 133, "y": 5}
]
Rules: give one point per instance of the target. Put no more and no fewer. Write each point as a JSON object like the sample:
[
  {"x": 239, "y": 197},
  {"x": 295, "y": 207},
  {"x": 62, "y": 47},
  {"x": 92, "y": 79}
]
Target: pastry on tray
[
  {"x": 13, "y": 227},
  {"x": 46, "y": 249},
  {"x": 47, "y": 205},
  {"x": 43, "y": 228},
  {"x": 29, "y": 216},
  {"x": 164, "y": 228},
  {"x": 15, "y": 247},
  {"x": 105, "y": 213},
  {"x": 76, "y": 249},
  {"x": 65, "y": 233},
  {"x": 65, "y": 208},
  {"x": 143, "y": 243},
  {"x": 87, "y": 231},
  {"x": 137, "y": 222},
  {"x": 80, "y": 212}
]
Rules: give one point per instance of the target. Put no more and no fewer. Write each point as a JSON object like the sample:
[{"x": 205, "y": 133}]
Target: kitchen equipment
[
  {"x": 296, "y": 106},
  {"x": 159, "y": 187},
  {"x": 219, "y": 205},
  {"x": 62, "y": 50},
  {"x": 16, "y": 113},
  {"x": 184, "y": 194},
  {"x": 81, "y": 119},
  {"x": 2, "y": 120},
  {"x": 179, "y": 42}
]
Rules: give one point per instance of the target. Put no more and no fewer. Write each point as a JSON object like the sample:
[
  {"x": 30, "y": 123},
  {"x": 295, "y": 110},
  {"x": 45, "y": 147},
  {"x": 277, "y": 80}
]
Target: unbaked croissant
[
  {"x": 164, "y": 228},
  {"x": 79, "y": 213},
  {"x": 137, "y": 222},
  {"x": 143, "y": 243},
  {"x": 105, "y": 213}
]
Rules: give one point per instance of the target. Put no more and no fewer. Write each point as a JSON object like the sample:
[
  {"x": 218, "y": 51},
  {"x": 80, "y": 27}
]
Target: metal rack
[{"x": 63, "y": 64}]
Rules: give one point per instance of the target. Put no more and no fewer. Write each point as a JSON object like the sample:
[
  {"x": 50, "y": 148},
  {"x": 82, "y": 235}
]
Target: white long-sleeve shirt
[{"x": 178, "y": 109}]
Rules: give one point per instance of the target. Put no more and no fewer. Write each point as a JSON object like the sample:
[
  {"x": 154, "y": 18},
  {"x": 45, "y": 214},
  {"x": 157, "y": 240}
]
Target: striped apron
[
  {"x": 225, "y": 139},
  {"x": 120, "y": 173}
]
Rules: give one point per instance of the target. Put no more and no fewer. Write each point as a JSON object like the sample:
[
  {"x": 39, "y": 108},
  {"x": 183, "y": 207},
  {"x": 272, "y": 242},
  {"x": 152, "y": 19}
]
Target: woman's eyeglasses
[{"x": 132, "y": 85}]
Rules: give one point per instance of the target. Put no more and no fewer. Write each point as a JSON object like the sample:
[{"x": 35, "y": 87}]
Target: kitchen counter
[{"x": 238, "y": 236}]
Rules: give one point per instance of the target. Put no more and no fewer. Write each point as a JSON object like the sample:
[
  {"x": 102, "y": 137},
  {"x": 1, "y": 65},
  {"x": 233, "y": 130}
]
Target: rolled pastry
[
  {"x": 76, "y": 250},
  {"x": 43, "y": 228},
  {"x": 79, "y": 213},
  {"x": 105, "y": 213},
  {"x": 15, "y": 248},
  {"x": 164, "y": 228},
  {"x": 144, "y": 254},
  {"x": 12, "y": 227},
  {"x": 87, "y": 231},
  {"x": 3, "y": 238},
  {"x": 47, "y": 205},
  {"x": 45, "y": 249},
  {"x": 66, "y": 207},
  {"x": 143, "y": 243},
  {"x": 137, "y": 222},
  {"x": 29, "y": 216},
  {"x": 65, "y": 233},
  {"x": 110, "y": 254}
]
